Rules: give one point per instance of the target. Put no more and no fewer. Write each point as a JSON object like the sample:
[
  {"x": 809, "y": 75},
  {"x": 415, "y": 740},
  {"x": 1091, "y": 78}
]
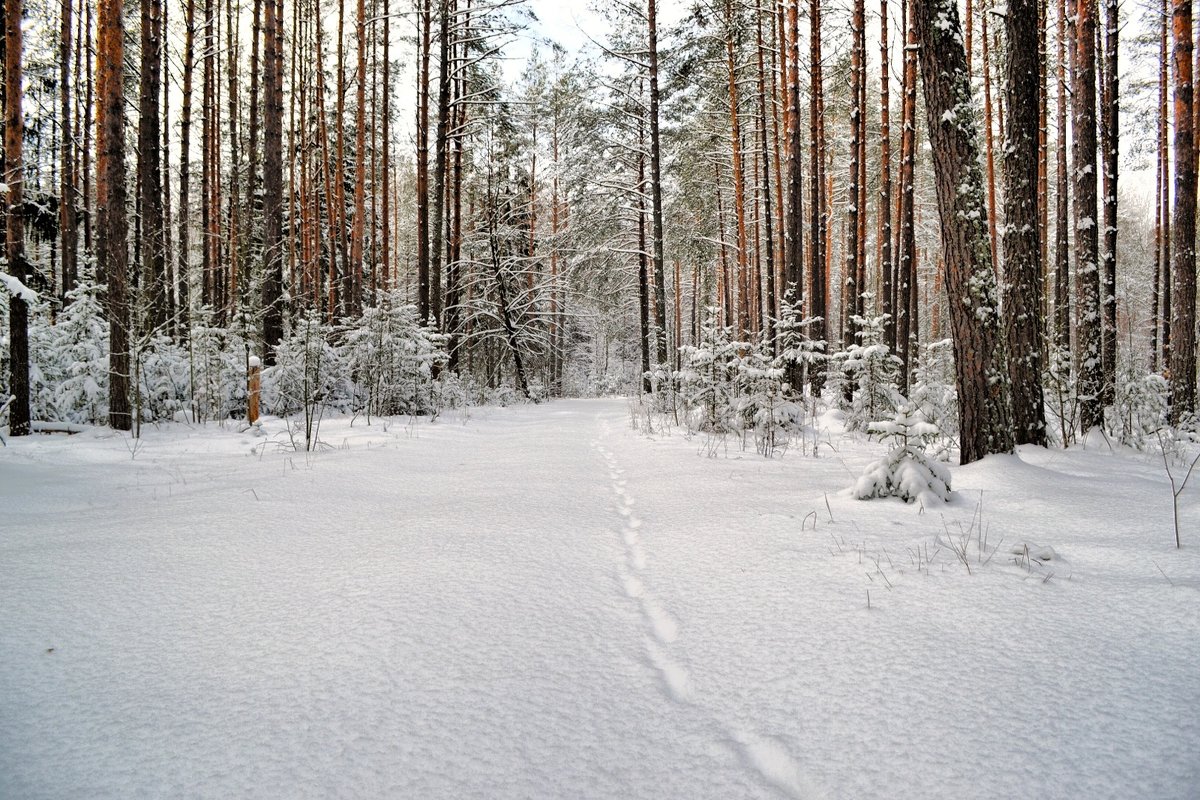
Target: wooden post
[{"x": 253, "y": 388}]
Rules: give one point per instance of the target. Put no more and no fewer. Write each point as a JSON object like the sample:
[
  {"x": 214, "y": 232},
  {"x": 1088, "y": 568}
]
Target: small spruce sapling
[
  {"x": 707, "y": 383},
  {"x": 907, "y": 471},
  {"x": 873, "y": 370},
  {"x": 1141, "y": 405},
  {"x": 933, "y": 394}
]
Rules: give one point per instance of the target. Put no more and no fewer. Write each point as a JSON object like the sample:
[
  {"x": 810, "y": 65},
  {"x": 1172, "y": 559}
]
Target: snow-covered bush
[
  {"x": 707, "y": 378},
  {"x": 1140, "y": 408},
  {"x": 69, "y": 361},
  {"x": 217, "y": 362},
  {"x": 763, "y": 406},
  {"x": 164, "y": 379},
  {"x": 906, "y": 471},
  {"x": 872, "y": 369},
  {"x": 308, "y": 376},
  {"x": 68, "y": 369},
  {"x": 391, "y": 358},
  {"x": 1062, "y": 399},
  {"x": 798, "y": 352}
]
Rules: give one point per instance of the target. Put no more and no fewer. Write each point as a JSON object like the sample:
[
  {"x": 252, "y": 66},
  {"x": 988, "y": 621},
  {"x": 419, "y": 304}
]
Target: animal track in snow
[
  {"x": 675, "y": 677},
  {"x": 767, "y": 756},
  {"x": 771, "y": 759},
  {"x": 666, "y": 629}
]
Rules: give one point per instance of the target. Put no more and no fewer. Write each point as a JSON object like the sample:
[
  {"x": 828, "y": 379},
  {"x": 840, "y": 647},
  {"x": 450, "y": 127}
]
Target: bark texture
[{"x": 981, "y": 369}]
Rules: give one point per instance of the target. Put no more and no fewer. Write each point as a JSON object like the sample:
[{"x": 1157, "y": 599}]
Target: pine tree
[
  {"x": 14, "y": 219},
  {"x": 1022, "y": 248},
  {"x": 1183, "y": 223},
  {"x": 112, "y": 256},
  {"x": 1087, "y": 244},
  {"x": 981, "y": 369}
]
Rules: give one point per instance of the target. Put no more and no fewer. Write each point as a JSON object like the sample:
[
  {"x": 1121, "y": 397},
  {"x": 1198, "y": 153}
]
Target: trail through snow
[{"x": 539, "y": 602}]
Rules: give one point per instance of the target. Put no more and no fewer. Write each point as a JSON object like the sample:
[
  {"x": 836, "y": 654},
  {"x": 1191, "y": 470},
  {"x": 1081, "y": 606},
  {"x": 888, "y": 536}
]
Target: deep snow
[{"x": 543, "y": 602}]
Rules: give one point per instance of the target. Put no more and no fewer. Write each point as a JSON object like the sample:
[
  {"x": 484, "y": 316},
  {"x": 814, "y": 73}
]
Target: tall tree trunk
[
  {"x": 165, "y": 83},
  {"x": 739, "y": 189},
  {"x": 424, "y": 21},
  {"x": 272, "y": 283},
  {"x": 14, "y": 219},
  {"x": 208, "y": 158},
  {"x": 385, "y": 233},
  {"x": 358, "y": 231},
  {"x": 988, "y": 128},
  {"x": 1062, "y": 256},
  {"x": 437, "y": 241},
  {"x": 233, "y": 279},
  {"x": 1087, "y": 255},
  {"x": 818, "y": 300},
  {"x": 112, "y": 254},
  {"x": 906, "y": 277},
  {"x": 643, "y": 262},
  {"x": 183, "y": 298},
  {"x": 153, "y": 272},
  {"x": 1183, "y": 244},
  {"x": 852, "y": 294},
  {"x": 89, "y": 106},
  {"x": 887, "y": 282},
  {"x": 454, "y": 267},
  {"x": 1109, "y": 141},
  {"x": 656, "y": 206},
  {"x": 981, "y": 369},
  {"x": 68, "y": 227},
  {"x": 1165, "y": 194},
  {"x": 1022, "y": 249},
  {"x": 768, "y": 215},
  {"x": 793, "y": 289}
]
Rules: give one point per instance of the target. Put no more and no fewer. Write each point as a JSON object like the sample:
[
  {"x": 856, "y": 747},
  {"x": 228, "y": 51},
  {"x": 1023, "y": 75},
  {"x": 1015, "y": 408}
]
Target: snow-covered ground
[{"x": 541, "y": 602}]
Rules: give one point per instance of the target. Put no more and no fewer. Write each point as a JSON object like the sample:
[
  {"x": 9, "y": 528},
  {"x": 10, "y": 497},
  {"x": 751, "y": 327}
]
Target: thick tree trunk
[
  {"x": 437, "y": 241},
  {"x": 14, "y": 220},
  {"x": 853, "y": 289},
  {"x": 887, "y": 278},
  {"x": 1024, "y": 325},
  {"x": 233, "y": 283},
  {"x": 1183, "y": 244},
  {"x": 818, "y": 298},
  {"x": 793, "y": 289},
  {"x": 112, "y": 255},
  {"x": 272, "y": 283},
  {"x": 1165, "y": 195},
  {"x": 358, "y": 231},
  {"x": 1109, "y": 142},
  {"x": 1062, "y": 257},
  {"x": 153, "y": 272},
  {"x": 1087, "y": 245},
  {"x": 981, "y": 369}
]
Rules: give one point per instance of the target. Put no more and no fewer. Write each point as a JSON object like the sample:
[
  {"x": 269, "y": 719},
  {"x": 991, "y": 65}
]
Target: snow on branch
[{"x": 18, "y": 289}]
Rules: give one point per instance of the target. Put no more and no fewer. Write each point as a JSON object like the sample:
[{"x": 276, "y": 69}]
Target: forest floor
[{"x": 543, "y": 602}]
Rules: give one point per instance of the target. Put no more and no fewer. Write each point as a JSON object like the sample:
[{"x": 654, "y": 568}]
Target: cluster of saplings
[
  {"x": 773, "y": 393},
  {"x": 382, "y": 363}
]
